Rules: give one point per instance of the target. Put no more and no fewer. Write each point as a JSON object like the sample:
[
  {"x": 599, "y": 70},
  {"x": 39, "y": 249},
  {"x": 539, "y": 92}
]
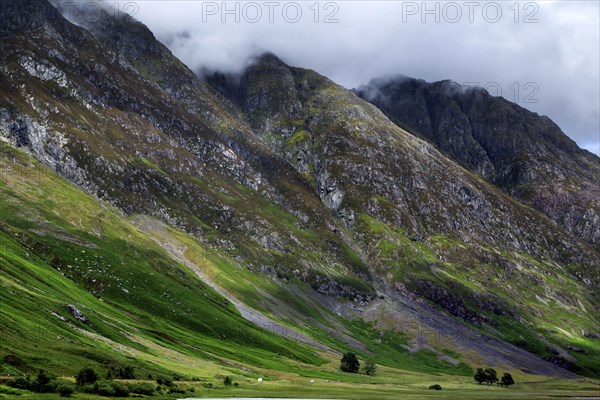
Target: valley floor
[{"x": 389, "y": 385}]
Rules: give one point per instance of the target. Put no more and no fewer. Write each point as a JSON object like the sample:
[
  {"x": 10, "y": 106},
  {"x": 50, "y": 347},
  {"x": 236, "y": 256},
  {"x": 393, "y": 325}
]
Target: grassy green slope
[{"x": 61, "y": 246}]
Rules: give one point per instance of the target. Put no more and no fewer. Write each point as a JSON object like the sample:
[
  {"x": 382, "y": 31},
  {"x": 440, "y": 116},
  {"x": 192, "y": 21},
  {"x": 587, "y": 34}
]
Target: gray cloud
[{"x": 545, "y": 56}]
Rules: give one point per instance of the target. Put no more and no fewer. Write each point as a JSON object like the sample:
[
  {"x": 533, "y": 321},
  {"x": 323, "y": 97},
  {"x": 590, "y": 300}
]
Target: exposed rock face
[
  {"x": 365, "y": 169},
  {"x": 355, "y": 154},
  {"x": 522, "y": 152},
  {"x": 77, "y": 313}
]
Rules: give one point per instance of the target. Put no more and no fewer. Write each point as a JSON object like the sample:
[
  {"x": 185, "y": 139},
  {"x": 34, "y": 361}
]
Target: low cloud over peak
[{"x": 542, "y": 55}]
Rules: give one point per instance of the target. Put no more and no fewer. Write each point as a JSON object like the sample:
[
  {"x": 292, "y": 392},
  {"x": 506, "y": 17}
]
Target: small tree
[
  {"x": 507, "y": 380},
  {"x": 350, "y": 363},
  {"x": 490, "y": 376},
  {"x": 370, "y": 367},
  {"x": 86, "y": 376},
  {"x": 65, "y": 390},
  {"x": 479, "y": 376},
  {"x": 227, "y": 381},
  {"x": 43, "y": 378},
  {"x": 127, "y": 372},
  {"x": 44, "y": 382}
]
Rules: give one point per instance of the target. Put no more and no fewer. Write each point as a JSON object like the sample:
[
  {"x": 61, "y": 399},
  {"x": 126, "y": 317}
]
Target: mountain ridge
[{"x": 525, "y": 154}]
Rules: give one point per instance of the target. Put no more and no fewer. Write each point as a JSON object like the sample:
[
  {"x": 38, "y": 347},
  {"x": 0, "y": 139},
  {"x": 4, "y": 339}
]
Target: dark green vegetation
[
  {"x": 87, "y": 382},
  {"x": 370, "y": 367},
  {"x": 349, "y": 363},
  {"x": 86, "y": 376},
  {"x": 507, "y": 380},
  {"x": 155, "y": 225},
  {"x": 487, "y": 375}
]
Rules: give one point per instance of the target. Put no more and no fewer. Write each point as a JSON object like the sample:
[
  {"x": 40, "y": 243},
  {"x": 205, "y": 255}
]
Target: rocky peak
[
  {"x": 123, "y": 34},
  {"x": 268, "y": 59},
  {"x": 522, "y": 152},
  {"x": 29, "y": 16},
  {"x": 268, "y": 92}
]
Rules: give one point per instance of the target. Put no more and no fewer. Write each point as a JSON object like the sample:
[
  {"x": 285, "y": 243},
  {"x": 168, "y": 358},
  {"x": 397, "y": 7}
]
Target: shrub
[
  {"x": 435, "y": 387},
  {"x": 227, "y": 381},
  {"x": 65, "y": 390},
  {"x": 91, "y": 388},
  {"x": 120, "y": 389},
  {"x": 43, "y": 378},
  {"x": 50, "y": 387},
  {"x": 349, "y": 363},
  {"x": 23, "y": 382},
  {"x": 127, "y": 372},
  {"x": 10, "y": 390},
  {"x": 104, "y": 389},
  {"x": 164, "y": 381},
  {"x": 142, "y": 388},
  {"x": 176, "y": 389},
  {"x": 107, "y": 388},
  {"x": 370, "y": 368},
  {"x": 86, "y": 376}
]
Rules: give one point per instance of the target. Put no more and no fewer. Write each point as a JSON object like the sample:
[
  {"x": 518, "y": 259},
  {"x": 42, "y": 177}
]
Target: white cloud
[{"x": 559, "y": 53}]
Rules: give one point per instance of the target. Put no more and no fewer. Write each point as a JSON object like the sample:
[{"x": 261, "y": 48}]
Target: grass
[
  {"x": 132, "y": 293},
  {"x": 388, "y": 384}
]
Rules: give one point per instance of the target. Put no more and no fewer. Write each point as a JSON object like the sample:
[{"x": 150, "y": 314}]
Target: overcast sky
[{"x": 543, "y": 55}]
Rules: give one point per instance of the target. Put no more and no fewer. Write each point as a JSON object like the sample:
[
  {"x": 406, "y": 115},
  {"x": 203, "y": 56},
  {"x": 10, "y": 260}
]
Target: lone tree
[
  {"x": 85, "y": 376},
  {"x": 479, "y": 376},
  {"x": 370, "y": 367},
  {"x": 349, "y": 363},
  {"x": 490, "y": 376},
  {"x": 487, "y": 375},
  {"x": 507, "y": 380}
]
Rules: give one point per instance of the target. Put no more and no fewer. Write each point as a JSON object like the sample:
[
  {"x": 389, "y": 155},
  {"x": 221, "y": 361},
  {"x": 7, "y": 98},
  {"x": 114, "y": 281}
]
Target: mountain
[
  {"x": 257, "y": 225},
  {"x": 525, "y": 154}
]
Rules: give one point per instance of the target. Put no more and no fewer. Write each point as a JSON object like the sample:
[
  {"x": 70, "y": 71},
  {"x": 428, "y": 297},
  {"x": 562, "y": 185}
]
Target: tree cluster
[
  {"x": 489, "y": 376},
  {"x": 43, "y": 382}
]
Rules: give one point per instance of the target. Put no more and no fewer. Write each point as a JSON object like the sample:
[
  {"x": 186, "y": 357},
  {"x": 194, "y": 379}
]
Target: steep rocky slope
[
  {"x": 522, "y": 152},
  {"x": 424, "y": 225},
  {"x": 312, "y": 207}
]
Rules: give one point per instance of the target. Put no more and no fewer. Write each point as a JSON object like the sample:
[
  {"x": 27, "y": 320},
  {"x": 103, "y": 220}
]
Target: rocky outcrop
[{"x": 77, "y": 313}]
